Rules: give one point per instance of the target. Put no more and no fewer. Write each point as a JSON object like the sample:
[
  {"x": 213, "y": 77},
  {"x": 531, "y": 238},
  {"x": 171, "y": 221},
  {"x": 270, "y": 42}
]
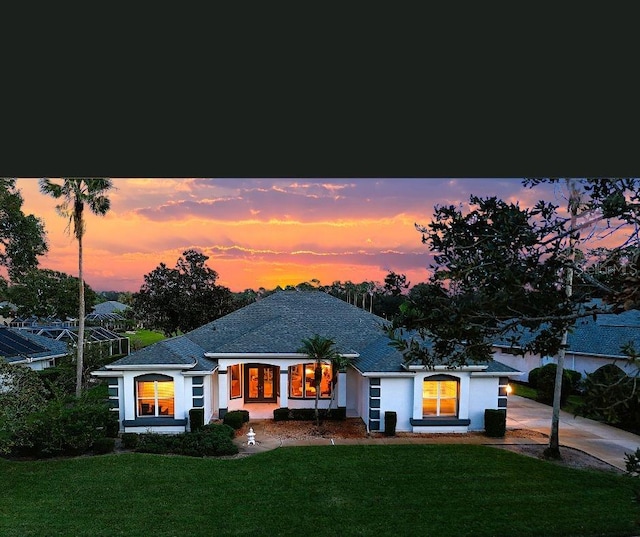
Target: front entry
[{"x": 260, "y": 383}]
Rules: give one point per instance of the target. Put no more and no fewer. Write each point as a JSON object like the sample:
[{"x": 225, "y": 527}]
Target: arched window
[
  {"x": 440, "y": 396},
  {"x": 154, "y": 396}
]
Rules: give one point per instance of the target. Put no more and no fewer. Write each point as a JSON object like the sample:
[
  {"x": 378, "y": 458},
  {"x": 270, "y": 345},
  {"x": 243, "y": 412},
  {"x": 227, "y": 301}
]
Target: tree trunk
[
  {"x": 80, "y": 356},
  {"x": 553, "y": 450}
]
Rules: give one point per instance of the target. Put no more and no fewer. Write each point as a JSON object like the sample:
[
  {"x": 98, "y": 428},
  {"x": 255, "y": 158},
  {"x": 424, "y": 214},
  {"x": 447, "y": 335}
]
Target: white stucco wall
[
  {"x": 578, "y": 362},
  {"x": 483, "y": 394},
  {"x": 396, "y": 395}
]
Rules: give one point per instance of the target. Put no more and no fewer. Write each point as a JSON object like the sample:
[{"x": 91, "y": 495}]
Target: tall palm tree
[
  {"x": 320, "y": 350},
  {"x": 75, "y": 192}
]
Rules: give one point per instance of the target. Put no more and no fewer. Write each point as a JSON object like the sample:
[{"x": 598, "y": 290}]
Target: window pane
[
  {"x": 447, "y": 407},
  {"x": 295, "y": 380},
  {"x": 146, "y": 407},
  {"x": 429, "y": 407},
  {"x": 165, "y": 389},
  {"x": 165, "y": 407},
  {"x": 309, "y": 382},
  {"x": 236, "y": 389},
  {"x": 325, "y": 383},
  {"x": 146, "y": 389},
  {"x": 430, "y": 389},
  {"x": 448, "y": 388}
]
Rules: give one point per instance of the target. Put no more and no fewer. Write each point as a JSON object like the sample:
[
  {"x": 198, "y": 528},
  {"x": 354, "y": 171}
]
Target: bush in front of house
[
  {"x": 390, "y": 421},
  {"x": 103, "y": 445},
  {"x": 308, "y": 414},
  {"x": 245, "y": 415},
  {"x": 495, "y": 422},
  {"x": 234, "y": 418},
  {"x": 546, "y": 380},
  {"x": 196, "y": 419},
  {"x": 281, "y": 414},
  {"x": 209, "y": 441},
  {"x": 130, "y": 440},
  {"x": 65, "y": 426}
]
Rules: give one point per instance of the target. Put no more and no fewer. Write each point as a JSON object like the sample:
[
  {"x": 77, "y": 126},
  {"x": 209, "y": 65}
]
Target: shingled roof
[{"x": 277, "y": 324}]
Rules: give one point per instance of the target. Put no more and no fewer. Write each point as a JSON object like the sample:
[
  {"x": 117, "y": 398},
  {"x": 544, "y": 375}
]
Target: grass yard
[
  {"x": 143, "y": 338},
  {"x": 457, "y": 490}
]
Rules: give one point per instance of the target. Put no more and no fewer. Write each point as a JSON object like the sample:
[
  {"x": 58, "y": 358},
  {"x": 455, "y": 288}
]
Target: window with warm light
[
  {"x": 439, "y": 397},
  {"x": 302, "y": 381},
  {"x": 235, "y": 385},
  {"x": 155, "y": 396}
]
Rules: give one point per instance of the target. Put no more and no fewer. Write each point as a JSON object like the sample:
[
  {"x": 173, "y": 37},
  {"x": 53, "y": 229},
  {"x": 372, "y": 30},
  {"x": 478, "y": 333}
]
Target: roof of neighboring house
[
  {"x": 17, "y": 345},
  {"x": 110, "y": 306},
  {"x": 277, "y": 324},
  {"x": 604, "y": 336}
]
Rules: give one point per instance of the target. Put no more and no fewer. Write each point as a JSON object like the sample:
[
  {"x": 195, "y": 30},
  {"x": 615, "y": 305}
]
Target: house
[
  {"x": 23, "y": 348},
  {"x": 591, "y": 344},
  {"x": 250, "y": 359}
]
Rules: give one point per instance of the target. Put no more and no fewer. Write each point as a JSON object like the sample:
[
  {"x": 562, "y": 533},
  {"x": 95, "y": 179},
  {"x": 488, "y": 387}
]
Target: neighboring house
[
  {"x": 250, "y": 359},
  {"x": 22, "y": 348},
  {"x": 591, "y": 344},
  {"x": 110, "y": 306}
]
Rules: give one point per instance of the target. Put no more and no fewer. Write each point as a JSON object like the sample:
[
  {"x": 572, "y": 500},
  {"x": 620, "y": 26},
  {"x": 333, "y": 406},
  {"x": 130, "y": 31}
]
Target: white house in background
[
  {"x": 19, "y": 347},
  {"x": 250, "y": 360},
  {"x": 591, "y": 344}
]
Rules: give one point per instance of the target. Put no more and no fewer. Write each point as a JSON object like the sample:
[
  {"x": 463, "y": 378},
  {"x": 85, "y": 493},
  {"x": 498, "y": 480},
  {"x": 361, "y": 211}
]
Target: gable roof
[
  {"x": 110, "y": 306},
  {"x": 277, "y": 324}
]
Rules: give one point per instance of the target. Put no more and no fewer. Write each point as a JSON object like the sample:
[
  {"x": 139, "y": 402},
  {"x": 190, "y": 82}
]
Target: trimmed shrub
[
  {"x": 234, "y": 419},
  {"x": 130, "y": 440},
  {"x": 210, "y": 440},
  {"x": 546, "y": 385},
  {"x": 533, "y": 377},
  {"x": 245, "y": 415},
  {"x": 280, "y": 414},
  {"x": 196, "y": 419},
  {"x": 308, "y": 414},
  {"x": 495, "y": 422},
  {"x": 390, "y": 420},
  {"x": 103, "y": 445}
]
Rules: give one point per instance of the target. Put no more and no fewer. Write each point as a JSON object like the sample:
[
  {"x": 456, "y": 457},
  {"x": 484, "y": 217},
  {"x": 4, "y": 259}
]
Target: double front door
[{"x": 260, "y": 383}]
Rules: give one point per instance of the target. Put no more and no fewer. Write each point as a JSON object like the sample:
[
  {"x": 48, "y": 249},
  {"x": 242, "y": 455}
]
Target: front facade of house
[{"x": 250, "y": 359}]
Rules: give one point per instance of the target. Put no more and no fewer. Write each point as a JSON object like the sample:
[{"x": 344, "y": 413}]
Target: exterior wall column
[
  {"x": 284, "y": 387},
  {"x": 223, "y": 392},
  {"x": 342, "y": 389}
]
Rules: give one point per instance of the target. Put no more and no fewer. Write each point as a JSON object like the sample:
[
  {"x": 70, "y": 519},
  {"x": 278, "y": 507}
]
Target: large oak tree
[{"x": 506, "y": 272}]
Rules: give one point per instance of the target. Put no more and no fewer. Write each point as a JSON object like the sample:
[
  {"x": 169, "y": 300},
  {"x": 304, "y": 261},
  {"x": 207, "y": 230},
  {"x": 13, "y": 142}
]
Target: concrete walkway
[
  {"x": 607, "y": 443},
  {"x": 602, "y": 441}
]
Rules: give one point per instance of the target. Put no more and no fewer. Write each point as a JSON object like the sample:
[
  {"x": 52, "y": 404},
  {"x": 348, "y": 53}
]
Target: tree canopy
[
  {"x": 503, "y": 272},
  {"x": 183, "y": 298},
  {"x": 49, "y": 293},
  {"x": 22, "y": 237}
]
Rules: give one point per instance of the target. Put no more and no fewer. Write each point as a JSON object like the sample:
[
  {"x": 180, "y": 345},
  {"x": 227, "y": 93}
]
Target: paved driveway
[{"x": 603, "y": 441}]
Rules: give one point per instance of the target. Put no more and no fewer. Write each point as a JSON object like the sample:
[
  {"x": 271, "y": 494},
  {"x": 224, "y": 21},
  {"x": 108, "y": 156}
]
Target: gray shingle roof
[
  {"x": 277, "y": 324},
  {"x": 110, "y": 306},
  {"x": 604, "y": 336}
]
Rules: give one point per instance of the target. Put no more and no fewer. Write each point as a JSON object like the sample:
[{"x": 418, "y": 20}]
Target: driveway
[{"x": 602, "y": 441}]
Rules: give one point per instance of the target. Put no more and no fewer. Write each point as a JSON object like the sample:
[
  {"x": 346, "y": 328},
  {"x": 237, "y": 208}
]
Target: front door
[{"x": 260, "y": 383}]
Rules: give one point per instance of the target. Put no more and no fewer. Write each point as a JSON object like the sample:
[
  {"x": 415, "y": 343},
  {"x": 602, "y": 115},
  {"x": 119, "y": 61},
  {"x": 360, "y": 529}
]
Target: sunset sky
[{"x": 261, "y": 232}]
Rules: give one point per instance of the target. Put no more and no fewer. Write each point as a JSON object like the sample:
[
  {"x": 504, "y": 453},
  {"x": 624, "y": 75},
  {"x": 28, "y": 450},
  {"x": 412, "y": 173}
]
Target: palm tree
[
  {"x": 75, "y": 192},
  {"x": 320, "y": 350}
]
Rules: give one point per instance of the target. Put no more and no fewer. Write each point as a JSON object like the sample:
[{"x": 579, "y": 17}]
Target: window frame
[
  {"x": 304, "y": 378},
  {"x": 230, "y": 379},
  {"x": 155, "y": 379},
  {"x": 439, "y": 379}
]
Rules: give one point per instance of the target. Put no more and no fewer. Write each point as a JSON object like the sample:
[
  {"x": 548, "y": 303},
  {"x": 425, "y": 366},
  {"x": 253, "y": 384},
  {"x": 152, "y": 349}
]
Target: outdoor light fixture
[{"x": 509, "y": 389}]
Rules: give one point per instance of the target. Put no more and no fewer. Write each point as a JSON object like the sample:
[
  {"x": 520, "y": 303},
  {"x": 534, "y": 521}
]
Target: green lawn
[
  {"x": 453, "y": 490},
  {"x": 145, "y": 337},
  {"x": 524, "y": 390}
]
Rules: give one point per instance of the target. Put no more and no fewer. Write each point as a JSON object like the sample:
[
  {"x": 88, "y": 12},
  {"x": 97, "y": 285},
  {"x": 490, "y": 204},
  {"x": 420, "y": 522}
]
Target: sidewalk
[{"x": 602, "y": 441}]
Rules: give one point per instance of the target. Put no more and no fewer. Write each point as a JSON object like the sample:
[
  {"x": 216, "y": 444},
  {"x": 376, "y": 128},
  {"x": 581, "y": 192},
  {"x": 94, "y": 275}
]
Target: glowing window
[
  {"x": 235, "y": 386},
  {"x": 439, "y": 398},
  {"x": 302, "y": 382},
  {"x": 155, "y": 398}
]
